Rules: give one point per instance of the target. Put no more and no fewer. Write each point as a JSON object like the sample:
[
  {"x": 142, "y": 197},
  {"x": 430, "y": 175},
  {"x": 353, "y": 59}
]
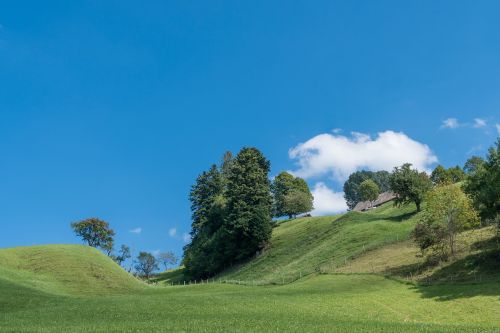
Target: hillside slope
[
  {"x": 63, "y": 270},
  {"x": 317, "y": 244}
]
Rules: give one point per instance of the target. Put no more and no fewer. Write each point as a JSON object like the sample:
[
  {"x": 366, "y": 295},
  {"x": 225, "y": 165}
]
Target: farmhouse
[{"x": 382, "y": 198}]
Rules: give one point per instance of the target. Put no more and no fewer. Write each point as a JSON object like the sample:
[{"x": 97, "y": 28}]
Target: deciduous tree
[
  {"x": 409, "y": 185},
  {"x": 95, "y": 233},
  {"x": 146, "y": 264}
]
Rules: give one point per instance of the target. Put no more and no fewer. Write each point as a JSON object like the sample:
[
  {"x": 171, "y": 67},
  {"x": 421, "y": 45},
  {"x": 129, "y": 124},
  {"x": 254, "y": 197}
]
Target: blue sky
[{"x": 111, "y": 109}]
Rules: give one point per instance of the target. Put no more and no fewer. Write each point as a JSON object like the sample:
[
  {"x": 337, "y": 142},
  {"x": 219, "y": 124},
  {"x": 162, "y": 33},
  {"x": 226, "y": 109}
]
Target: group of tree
[
  {"x": 352, "y": 192},
  {"x": 291, "y": 196},
  {"x": 231, "y": 208},
  {"x": 98, "y": 234},
  {"x": 450, "y": 210},
  {"x": 441, "y": 175}
]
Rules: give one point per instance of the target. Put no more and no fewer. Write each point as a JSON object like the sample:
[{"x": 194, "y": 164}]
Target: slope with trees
[{"x": 291, "y": 196}]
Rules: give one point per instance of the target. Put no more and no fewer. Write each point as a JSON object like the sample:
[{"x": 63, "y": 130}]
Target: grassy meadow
[{"x": 324, "y": 274}]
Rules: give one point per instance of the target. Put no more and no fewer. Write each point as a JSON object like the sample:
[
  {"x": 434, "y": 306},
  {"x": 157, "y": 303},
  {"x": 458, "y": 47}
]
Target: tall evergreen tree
[
  {"x": 208, "y": 209},
  {"x": 247, "y": 226}
]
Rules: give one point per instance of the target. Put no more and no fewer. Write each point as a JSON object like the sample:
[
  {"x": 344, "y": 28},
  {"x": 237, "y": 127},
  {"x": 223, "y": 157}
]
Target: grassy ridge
[
  {"x": 65, "y": 270},
  {"x": 308, "y": 245}
]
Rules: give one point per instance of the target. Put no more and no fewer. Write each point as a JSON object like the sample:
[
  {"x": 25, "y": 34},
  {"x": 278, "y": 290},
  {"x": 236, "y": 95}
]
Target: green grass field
[{"x": 71, "y": 288}]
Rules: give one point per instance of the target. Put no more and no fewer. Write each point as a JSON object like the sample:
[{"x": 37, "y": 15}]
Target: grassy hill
[
  {"x": 64, "y": 270},
  {"x": 319, "y": 244},
  {"x": 77, "y": 289}
]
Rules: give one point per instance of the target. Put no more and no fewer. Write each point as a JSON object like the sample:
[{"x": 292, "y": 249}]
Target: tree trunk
[{"x": 418, "y": 206}]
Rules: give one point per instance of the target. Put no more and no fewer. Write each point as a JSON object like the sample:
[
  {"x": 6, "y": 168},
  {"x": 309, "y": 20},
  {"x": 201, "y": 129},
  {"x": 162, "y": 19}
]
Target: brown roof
[{"x": 382, "y": 198}]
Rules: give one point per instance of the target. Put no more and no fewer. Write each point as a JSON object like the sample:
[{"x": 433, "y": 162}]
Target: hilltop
[{"x": 64, "y": 270}]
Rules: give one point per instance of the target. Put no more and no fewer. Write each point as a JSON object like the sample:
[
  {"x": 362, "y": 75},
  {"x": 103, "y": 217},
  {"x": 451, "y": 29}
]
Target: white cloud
[
  {"x": 156, "y": 253},
  {"x": 136, "y": 231},
  {"x": 478, "y": 123},
  {"x": 498, "y": 128},
  {"x": 186, "y": 237},
  {"x": 340, "y": 155},
  {"x": 326, "y": 201},
  {"x": 172, "y": 232},
  {"x": 450, "y": 123},
  {"x": 336, "y": 130}
]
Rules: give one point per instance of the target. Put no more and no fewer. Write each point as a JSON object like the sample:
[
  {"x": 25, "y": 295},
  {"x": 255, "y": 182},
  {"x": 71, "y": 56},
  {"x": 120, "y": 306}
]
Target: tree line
[
  {"x": 98, "y": 234},
  {"x": 232, "y": 206},
  {"x": 456, "y": 199}
]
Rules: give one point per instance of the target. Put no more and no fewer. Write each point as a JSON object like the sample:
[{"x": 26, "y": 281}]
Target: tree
[
  {"x": 473, "y": 164},
  {"x": 123, "y": 254},
  {"x": 456, "y": 174},
  {"x": 351, "y": 186},
  {"x": 146, "y": 264},
  {"x": 369, "y": 191},
  {"x": 440, "y": 175},
  {"x": 247, "y": 226},
  {"x": 409, "y": 185},
  {"x": 203, "y": 256},
  {"x": 297, "y": 202},
  {"x": 448, "y": 212},
  {"x": 288, "y": 190},
  {"x": 483, "y": 185},
  {"x": 95, "y": 233},
  {"x": 167, "y": 259}
]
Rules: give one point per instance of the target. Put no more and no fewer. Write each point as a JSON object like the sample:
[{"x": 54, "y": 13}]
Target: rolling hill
[{"x": 346, "y": 274}]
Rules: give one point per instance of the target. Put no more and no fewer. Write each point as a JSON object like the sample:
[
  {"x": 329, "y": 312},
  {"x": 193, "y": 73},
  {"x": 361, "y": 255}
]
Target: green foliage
[
  {"x": 448, "y": 211},
  {"x": 167, "y": 259},
  {"x": 123, "y": 254},
  {"x": 203, "y": 256},
  {"x": 146, "y": 264},
  {"x": 409, "y": 185},
  {"x": 440, "y": 175},
  {"x": 368, "y": 190},
  {"x": 291, "y": 195},
  {"x": 247, "y": 227},
  {"x": 95, "y": 233},
  {"x": 351, "y": 186},
  {"x": 231, "y": 208},
  {"x": 473, "y": 164},
  {"x": 456, "y": 174},
  {"x": 483, "y": 185}
]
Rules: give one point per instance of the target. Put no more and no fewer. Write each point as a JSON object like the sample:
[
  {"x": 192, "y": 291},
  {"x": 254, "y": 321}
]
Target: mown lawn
[{"x": 323, "y": 303}]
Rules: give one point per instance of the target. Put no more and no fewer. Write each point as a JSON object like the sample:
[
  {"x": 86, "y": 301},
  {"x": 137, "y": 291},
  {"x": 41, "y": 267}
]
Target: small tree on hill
[
  {"x": 95, "y": 233},
  {"x": 297, "y": 202},
  {"x": 146, "y": 264},
  {"x": 369, "y": 191},
  {"x": 167, "y": 259},
  {"x": 409, "y": 185},
  {"x": 440, "y": 175},
  {"x": 291, "y": 195},
  {"x": 123, "y": 254},
  {"x": 448, "y": 212},
  {"x": 351, "y": 186}
]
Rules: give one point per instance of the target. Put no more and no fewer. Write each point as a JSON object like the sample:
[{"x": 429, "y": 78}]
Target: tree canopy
[
  {"x": 291, "y": 195},
  {"x": 409, "y": 185},
  {"x": 95, "y": 233},
  {"x": 483, "y": 185},
  {"x": 369, "y": 190},
  {"x": 448, "y": 211},
  {"x": 351, "y": 186},
  {"x": 146, "y": 264},
  {"x": 231, "y": 220}
]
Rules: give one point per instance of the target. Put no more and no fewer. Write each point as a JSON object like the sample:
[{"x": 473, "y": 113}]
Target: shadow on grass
[
  {"x": 474, "y": 275},
  {"x": 168, "y": 277}
]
